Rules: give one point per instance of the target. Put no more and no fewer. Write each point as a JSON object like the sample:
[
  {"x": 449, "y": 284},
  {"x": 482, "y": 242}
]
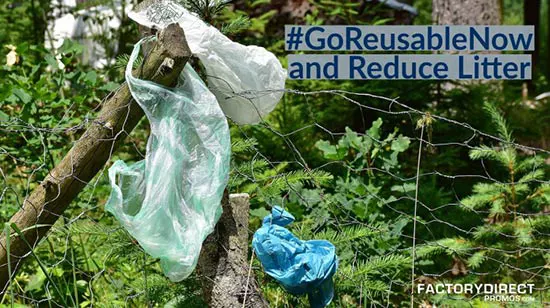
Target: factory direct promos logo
[{"x": 502, "y": 292}]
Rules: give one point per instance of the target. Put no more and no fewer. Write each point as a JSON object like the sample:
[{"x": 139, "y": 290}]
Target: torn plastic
[
  {"x": 247, "y": 80},
  {"x": 302, "y": 267},
  {"x": 170, "y": 201}
]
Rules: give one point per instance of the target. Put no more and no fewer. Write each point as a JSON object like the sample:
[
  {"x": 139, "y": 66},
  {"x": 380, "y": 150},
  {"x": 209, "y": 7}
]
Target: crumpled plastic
[
  {"x": 247, "y": 80},
  {"x": 302, "y": 267},
  {"x": 170, "y": 201}
]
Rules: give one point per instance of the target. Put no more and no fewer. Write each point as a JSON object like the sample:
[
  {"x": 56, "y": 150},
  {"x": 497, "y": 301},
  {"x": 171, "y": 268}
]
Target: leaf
[
  {"x": 109, "y": 86},
  {"x": 398, "y": 226},
  {"x": 36, "y": 282},
  {"x": 497, "y": 208},
  {"x": 530, "y": 163},
  {"x": 382, "y": 21},
  {"x": 374, "y": 131},
  {"x": 478, "y": 200},
  {"x": 330, "y": 151},
  {"x": 259, "y": 212},
  {"x": 22, "y": 95},
  {"x": 71, "y": 48},
  {"x": 51, "y": 61},
  {"x": 360, "y": 209},
  {"x": 82, "y": 284},
  {"x": 400, "y": 144},
  {"x": 353, "y": 140},
  {"x": 4, "y": 116},
  {"x": 91, "y": 77},
  {"x": 404, "y": 188}
]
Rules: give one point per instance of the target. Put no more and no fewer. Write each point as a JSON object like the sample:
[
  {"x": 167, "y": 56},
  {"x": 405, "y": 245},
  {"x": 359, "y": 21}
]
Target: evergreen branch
[
  {"x": 499, "y": 122},
  {"x": 235, "y": 26}
]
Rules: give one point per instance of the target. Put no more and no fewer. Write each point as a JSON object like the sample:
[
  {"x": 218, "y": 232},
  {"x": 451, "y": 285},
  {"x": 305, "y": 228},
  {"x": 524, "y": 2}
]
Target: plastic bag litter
[
  {"x": 170, "y": 201},
  {"x": 300, "y": 266},
  {"x": 247, "y": 80}
]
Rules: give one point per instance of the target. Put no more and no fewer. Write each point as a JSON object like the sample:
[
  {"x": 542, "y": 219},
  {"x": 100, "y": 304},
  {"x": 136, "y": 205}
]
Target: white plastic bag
[
  {"x": 248, "y": 81},
  {"x": 170, "y": 201}
]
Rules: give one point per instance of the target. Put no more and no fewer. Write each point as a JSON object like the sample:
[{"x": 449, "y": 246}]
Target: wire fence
[{"x": 394, "y": 227}]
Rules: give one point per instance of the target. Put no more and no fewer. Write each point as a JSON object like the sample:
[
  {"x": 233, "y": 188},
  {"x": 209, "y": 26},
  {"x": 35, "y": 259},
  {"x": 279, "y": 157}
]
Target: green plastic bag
[{"x": 170, "y": 201}]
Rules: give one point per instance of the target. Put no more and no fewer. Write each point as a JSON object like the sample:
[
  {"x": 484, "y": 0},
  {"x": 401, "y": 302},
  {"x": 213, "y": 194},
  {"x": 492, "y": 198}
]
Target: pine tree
[{"x": 502, "y": 249}]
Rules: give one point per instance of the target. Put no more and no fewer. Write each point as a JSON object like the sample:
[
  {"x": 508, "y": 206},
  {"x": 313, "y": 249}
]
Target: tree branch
[
  {"x": 86, "y": 158},
  {"x": 223, "y": 263}
]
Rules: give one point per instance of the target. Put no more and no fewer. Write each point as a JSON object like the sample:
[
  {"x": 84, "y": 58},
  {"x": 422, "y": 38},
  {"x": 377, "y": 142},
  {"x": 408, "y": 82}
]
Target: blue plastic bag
[{"x": 302, "y": 267}]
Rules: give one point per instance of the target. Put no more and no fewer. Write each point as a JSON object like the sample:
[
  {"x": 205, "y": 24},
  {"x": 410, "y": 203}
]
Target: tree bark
[
  {"x": 467, "y": 12},
  {"x": 227, "y": 279},
  {"x": 531, "y": 17},
  {"x": 119, "y": 115}
]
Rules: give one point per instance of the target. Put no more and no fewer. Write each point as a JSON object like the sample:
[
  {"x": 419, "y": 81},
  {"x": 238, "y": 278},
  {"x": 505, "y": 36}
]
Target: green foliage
[
  {"x": 368, "y": 149},
  {"x": 263, "y": 180},
  {"x": 15, "y": 29},
  {"x": 208, "y": 10},
  {"x": 237, "y": 25},
  {"x": 368, "y": 248},
  {"x": 504, "y": 246},
  {"x": 344, "y": 170},
  {"x": 47, "y": 97},
  {"x": 42, "y": 107}
]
